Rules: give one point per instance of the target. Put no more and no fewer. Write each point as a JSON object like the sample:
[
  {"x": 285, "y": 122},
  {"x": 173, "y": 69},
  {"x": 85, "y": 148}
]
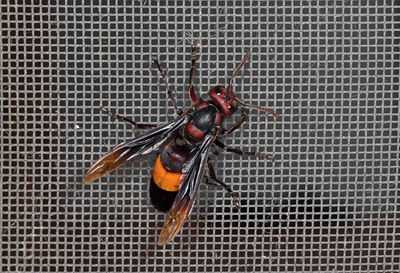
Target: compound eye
[
  {"x": 219, "y": 93},
  {"x": 230, "y": 107}
]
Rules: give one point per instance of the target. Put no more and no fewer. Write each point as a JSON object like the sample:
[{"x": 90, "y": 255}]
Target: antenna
[
  {"x": 269, "y": 111},
  {"x": 237, "y": 70}
]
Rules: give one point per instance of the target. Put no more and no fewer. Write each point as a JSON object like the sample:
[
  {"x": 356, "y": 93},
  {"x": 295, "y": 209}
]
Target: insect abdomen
[
  {"x": 164, "y": 178},
  {"x": 167, "y": 176}
]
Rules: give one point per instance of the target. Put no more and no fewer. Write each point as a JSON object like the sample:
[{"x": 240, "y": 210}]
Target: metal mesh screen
[{"x": 330, "y": 202}]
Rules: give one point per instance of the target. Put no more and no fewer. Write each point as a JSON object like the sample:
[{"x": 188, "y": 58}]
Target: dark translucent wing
[
  {"x": 141, "y": 145},
  {"x": 184, "y": 200}
]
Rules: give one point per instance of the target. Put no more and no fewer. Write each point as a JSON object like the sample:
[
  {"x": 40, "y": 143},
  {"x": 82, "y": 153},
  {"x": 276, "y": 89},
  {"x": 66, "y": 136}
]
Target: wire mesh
[{"x": 330, "y": 202}]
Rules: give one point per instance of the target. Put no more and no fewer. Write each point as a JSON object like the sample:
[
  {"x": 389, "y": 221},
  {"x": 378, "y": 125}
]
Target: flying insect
[{"x": 185, "y": 145}]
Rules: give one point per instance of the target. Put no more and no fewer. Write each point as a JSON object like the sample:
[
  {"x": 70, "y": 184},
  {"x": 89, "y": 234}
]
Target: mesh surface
[{"x": 330, "y": 202}]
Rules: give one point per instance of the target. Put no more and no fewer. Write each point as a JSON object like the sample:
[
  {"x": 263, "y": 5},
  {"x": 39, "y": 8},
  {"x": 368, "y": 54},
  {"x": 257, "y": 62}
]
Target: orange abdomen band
[{"x": 164, "y": 179}]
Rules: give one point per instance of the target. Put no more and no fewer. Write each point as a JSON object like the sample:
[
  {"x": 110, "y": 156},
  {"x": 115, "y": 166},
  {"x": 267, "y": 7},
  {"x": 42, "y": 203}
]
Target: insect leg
[
  {"x": 240, "y": 152},
  {"x": 192, "y": 93},
  {"x": 227, "y": 188},
  {"x": 116, "y": 116},
  {"x": 238, "y": 123},
  {"x": 171, "y": 94}
]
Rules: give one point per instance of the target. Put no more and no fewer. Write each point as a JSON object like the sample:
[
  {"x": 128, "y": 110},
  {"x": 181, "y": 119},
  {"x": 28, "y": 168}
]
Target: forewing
[
  {"x": 185, "y": 198},
  {"x": 141, "y": 145}
]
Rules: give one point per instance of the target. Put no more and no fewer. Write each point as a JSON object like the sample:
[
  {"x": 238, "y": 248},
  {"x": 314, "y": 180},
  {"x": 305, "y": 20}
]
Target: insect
[{"x": 185, "y": 145}]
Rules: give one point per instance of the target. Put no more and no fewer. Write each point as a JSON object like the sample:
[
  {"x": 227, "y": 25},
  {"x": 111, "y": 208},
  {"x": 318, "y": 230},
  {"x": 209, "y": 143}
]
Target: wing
[
  {"x": 184, "y": 200},
  {"x": 141, "y": 145}
]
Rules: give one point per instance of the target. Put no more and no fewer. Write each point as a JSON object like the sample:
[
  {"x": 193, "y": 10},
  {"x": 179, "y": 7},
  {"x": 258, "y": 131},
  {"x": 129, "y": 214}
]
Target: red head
[{"x": 224, "y": 99}]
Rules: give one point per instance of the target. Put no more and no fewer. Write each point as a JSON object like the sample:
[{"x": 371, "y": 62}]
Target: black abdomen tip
[{"x": 161, "y": 199}]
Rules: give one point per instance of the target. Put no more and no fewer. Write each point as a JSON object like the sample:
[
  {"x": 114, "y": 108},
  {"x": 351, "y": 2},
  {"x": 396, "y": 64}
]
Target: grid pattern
[{"x": 330, "y": 202}]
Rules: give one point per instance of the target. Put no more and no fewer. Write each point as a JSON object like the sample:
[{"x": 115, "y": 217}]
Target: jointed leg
[
  {"x": 240, "y": 152},
  {"x": 171, "y": 94},
  {"x": 238, "y": 123},
  {"x": 227, "y": 188},
  {"x": 192, "y": 93},
  {"x": 116, "y": 116}
]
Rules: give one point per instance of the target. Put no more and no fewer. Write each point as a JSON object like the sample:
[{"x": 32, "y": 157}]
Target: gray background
[{"x": 330, "y": 202}]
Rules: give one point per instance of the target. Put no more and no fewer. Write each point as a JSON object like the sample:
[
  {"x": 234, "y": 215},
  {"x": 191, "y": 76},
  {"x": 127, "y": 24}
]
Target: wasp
[{"x": 185, "y": 145}]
